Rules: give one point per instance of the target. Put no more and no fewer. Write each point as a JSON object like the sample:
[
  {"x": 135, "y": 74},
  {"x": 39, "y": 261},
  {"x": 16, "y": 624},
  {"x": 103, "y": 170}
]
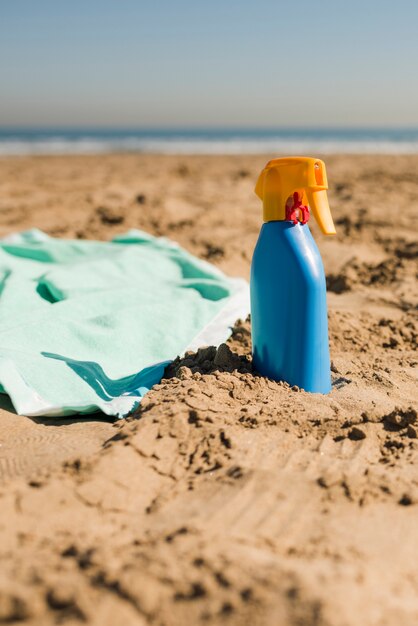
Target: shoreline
[{"x": 187, "y": 154}]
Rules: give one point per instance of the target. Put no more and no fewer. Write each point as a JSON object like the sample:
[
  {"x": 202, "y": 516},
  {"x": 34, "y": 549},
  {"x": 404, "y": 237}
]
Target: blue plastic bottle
[{"x": 288, "y": 293}]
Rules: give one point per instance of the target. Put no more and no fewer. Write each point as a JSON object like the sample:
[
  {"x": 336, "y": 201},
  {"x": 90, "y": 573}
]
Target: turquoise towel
[{"x": 87, "y": 325}]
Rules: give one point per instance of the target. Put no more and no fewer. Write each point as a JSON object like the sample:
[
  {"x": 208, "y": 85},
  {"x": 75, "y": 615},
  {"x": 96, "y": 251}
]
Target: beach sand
[{"x": 227, "y": 498}]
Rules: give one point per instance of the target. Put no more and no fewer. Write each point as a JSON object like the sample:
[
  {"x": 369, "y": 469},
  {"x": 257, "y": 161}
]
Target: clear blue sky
[{"x": 208, "y": 63}]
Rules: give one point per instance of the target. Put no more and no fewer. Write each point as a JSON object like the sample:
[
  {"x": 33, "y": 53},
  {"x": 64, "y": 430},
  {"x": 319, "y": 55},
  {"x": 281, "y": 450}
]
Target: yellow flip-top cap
[{"x": 281, "y": 178}]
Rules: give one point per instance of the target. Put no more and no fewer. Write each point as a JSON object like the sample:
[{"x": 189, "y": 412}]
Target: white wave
[{"x": 87, "y": 145}]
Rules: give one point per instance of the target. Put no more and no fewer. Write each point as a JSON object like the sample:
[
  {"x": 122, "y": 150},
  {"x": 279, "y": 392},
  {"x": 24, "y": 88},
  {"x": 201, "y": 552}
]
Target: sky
[{"x": 216, "y": 63}]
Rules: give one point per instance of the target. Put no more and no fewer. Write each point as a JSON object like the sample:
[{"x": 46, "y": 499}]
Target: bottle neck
[{"x": 294, "y": 211}]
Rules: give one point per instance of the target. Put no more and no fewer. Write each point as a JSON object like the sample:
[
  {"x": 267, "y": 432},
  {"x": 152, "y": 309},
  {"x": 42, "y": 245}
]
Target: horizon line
[{"x": 198, "y": 127}]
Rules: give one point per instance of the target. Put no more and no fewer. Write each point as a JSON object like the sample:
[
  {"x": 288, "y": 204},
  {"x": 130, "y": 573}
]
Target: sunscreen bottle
[{"x": 289, "y": 324}]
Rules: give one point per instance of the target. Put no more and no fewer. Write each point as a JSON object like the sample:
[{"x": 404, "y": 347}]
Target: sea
[{"x": 38, "y": 141}]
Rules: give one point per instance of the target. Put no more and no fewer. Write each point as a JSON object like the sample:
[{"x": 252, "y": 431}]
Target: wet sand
[{"x": 227, "y": 498}]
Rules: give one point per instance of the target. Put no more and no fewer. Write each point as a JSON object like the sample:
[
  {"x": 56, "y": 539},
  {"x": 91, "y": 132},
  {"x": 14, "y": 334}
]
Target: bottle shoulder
[
  {"x": 278, "y": 237},
  {"x": 284, "y": 247}
]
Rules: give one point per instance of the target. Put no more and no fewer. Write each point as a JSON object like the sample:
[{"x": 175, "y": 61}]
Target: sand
[{"x": 227, "y": 498}]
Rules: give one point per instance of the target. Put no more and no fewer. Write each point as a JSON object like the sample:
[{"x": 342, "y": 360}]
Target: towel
[{"x": 89, "y": 325}]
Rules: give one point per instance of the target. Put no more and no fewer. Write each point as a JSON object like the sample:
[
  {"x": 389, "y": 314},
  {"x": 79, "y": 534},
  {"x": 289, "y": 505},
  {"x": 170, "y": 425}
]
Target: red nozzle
[{"x": 297, "y": 211}]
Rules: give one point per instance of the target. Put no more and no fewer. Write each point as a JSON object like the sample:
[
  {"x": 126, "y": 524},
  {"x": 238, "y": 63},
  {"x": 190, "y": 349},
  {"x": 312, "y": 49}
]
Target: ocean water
[{"x": 209, "y": 141}]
